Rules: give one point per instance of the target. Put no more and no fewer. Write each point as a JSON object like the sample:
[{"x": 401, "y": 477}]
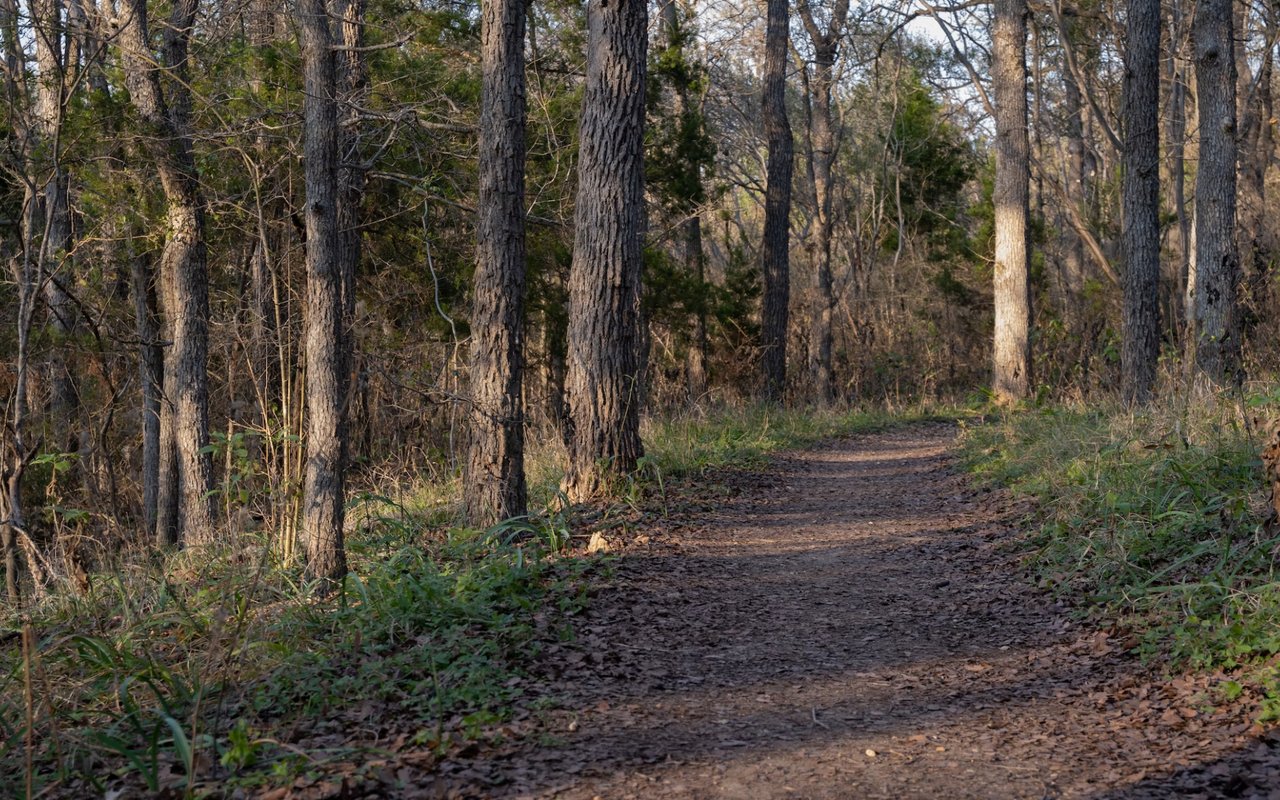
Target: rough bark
[
  {"x": 1214, "y": 339},
  {"x": 321, "y": 532},
  {"x": 1012, "y": 352},
  {"x": 775, "y": 248},
  {"x": 1140, "y": 241},
  {"x": 183, "y": 269},
  {"x": 605, "y": 354},
  {"x": 494, "y": 488}
]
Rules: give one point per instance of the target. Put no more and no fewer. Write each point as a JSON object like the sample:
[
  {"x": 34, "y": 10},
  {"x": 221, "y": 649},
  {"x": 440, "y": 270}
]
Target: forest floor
[{"x": 853, "y": 623}]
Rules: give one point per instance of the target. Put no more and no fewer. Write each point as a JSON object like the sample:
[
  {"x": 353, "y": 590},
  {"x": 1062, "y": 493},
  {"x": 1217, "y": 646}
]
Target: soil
[{"x": 858, "y": 623}]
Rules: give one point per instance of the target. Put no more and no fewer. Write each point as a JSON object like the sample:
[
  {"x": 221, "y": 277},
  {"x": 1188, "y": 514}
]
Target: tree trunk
[
  {"x": 1012, "y": 354},
  {"x": 822, "y": 154},
  {"x": 494, "y": 488},
  {"x": 151, "y": 378},
  {"x": 55, "y": 228},
  {"x": 1176, "y": 135},
  {"x": 263, "y": 328},
  {"x": 1141, "y": 198},
  {"x": 604, "y": 371},
  {"x": 1214, "y": 341},
  {"x": 321, "y": 533},
  {"x": 183, "y": 270},
  {"x": 775, "y": 249},
  {"x": 691, "y": 234},
  {"x": 1254, "y": 99},
  {"x": 1073, "y": 260}
]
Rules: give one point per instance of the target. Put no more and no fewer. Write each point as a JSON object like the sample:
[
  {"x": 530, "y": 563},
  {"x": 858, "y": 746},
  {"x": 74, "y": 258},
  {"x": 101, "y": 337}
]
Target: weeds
[
  {"x": 1157, "y": 520},
  {"x": 161, "y": 683}
]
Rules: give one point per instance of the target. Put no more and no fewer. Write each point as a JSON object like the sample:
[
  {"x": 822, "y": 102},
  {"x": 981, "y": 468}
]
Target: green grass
[
  {"x": 1155, "y": 521},
  {"x": 198, "y": 658},
  {"x": 692, "y": 444}
]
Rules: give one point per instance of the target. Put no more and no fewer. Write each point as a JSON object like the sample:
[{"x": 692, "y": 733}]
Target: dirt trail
[{"x": 855, "y": 628}]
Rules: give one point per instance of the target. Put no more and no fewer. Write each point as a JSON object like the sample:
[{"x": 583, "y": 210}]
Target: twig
[{"x": 813, "y": 712}]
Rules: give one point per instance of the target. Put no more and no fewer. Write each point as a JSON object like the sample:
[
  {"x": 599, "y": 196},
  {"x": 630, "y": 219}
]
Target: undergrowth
[
  {"x": 177, "y": 669},
  {"x": 1156, "y": 520}
]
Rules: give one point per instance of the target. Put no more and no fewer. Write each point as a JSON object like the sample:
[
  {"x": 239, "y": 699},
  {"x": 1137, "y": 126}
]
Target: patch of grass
[
  {"x": 175, "y": 668},
  {"x": 1155, "y": 520},
  {"x": 691, "y": 444}
]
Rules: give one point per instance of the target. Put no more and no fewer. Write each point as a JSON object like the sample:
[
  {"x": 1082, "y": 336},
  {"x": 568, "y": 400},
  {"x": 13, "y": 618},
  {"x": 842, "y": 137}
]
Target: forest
[{"x": 688, "y": 398}]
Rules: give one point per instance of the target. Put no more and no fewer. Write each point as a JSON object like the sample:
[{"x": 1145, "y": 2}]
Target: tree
[
  {"x": 1141, "y": 211},
  {"x": 775, "y": 248},
  {"x": 1012, "y": 354},
  {"x": 1214, "y": 340},
  {"x": 323, "y": 488},
  {"x": 186, "y": 510},
  {"x": 823, "y": 143},
  {"x": 678, "y": 158},
  {"x": 602, "y": 387},
  {"x": 494, "y": 488}
]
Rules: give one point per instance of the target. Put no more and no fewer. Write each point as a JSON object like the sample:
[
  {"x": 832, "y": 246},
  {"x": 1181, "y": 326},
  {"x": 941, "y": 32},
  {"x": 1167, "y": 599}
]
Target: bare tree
[
  {"x": 1012, "y": 355},
  {"x": 605, "y": 348},
  {"x": 495, "y": 483}
]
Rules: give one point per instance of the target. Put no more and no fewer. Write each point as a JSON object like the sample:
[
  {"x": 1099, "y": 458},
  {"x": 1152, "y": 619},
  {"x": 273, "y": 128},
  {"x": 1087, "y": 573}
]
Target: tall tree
[
  {"x": 52, "y": 43},
  {"x": 602, "y": 387},
  {"x": 186, "y": 509},
  {"x": 321, "y": 533},
  {"x": 1141, "y": 201},
  {"x": 494, "y": 488},
  {"x": 679, "y": 154},
  {"x": 1012, "y": 355},
  {"x": 775, "y": 249},
  {"x": 823, "y": 143},
  {"x": 1214, "y": 340}
]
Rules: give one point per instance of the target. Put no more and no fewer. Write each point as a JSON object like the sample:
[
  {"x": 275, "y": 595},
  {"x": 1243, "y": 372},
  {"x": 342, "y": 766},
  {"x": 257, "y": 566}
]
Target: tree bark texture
[
  {"x": 605, "y": 353},
  {"x": 321, "y": 532},
  {"x": 494, "y": 488},
  {"x": 1012, "y": 352},
  {"x": 775, "y": 248},
  {"x": 1215, "y": 339},
  {"x": 183, "y": 269},
  {"x": 1141, "y": 202}
]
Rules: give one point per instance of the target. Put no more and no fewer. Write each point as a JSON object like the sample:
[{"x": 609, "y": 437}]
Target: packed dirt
[{"x": 856, "y": 624}]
